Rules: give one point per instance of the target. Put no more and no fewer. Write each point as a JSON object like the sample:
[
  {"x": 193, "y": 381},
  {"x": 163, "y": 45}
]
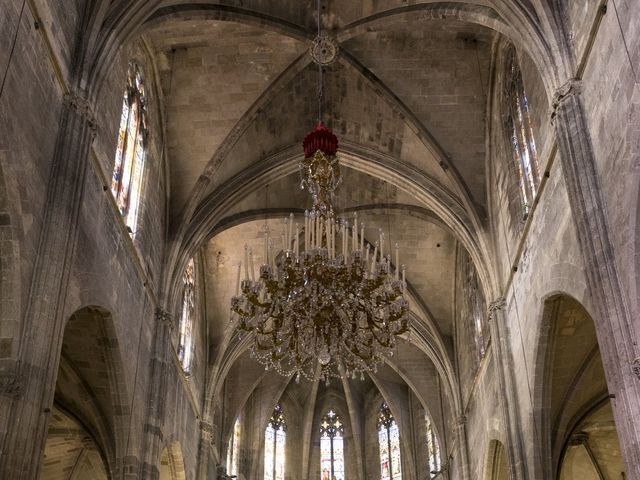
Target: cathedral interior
[{"x": 151, "y": 150}]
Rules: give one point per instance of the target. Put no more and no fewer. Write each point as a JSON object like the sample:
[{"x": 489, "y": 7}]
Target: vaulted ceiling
[{"x": 407, "y": 97}]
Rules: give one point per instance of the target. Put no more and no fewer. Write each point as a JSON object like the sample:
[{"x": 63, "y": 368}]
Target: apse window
[
  {"x": 389, "y": 442},
  {"x": 232, "y": 452},
  {"x": 522, "y": 141},
  {"x": 433, "y": 448},
  {"x": 185, "y": 339},
  {"x": 275, "y": 438},
  {"x": 131, "y": 150},
  {"x": 331, "y": 447}
]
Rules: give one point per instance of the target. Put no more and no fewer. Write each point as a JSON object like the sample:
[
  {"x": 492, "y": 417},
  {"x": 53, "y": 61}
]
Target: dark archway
[
  {"x": 573, "y": 414},
  {"x": 89, "y": 403}
]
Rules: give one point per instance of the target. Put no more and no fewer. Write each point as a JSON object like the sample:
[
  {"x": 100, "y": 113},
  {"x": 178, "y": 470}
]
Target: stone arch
[
  {"x": 71, "y": 449},
  {"x": 495, "y": 466},
  {"x": 171, "y": 463},
  {"x": 592, "y": 449},
  {"x": 90, "y": 389},
  {"x": 569, "y": 386}
]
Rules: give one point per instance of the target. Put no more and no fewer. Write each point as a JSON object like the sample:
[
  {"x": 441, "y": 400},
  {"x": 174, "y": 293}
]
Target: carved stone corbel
[
  {"x": 164, "y": 317},
  {"x": 461, "y": 421},
  {"x": 208, "y": 431},
  {"x": 635, "y": 367},
  {"x": 573, "y": 86},
  {"x": 83, "y": 108},
  {"x": 11, "y": 384},
  {"x": 497, "y": 305}
]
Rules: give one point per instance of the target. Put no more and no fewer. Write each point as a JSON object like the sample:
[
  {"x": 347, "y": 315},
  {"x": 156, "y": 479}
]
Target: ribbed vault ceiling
[{"x": 407, "y": 98}]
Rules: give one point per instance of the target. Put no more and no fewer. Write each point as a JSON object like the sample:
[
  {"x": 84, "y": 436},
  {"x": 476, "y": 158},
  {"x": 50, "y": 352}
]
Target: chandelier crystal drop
[{"x": 325, "y": 298}]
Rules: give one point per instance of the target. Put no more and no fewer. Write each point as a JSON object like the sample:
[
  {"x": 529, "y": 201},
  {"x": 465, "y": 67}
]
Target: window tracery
[
  {"x": 389, "y": 443},
  {"x": 129, "y": 163},
  {"x": 275, "y": 438},
  {"x": 522, "y": 140},
  {"x": 185, "y": 340},
  {"x": 331, "y": 447}
]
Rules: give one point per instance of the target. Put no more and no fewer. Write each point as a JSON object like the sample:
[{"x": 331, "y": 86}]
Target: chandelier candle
[{"x": 312, "y": 311}]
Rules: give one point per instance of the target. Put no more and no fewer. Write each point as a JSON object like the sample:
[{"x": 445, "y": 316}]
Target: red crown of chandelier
[{"x": 320, "y": 138}]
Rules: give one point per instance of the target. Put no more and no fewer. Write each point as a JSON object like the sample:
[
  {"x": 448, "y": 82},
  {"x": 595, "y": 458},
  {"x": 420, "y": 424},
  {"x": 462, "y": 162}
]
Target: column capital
[
  {"x": 164, "y": 317},
  {"x": 635, "y": 367},
  {"x": 208, "y": 431},
  {"x": 498, "y": 305},
  {"x": 11, "y": 384},
  {"x": 82, "y": 106},
  {"x": 571, "y": 87}
]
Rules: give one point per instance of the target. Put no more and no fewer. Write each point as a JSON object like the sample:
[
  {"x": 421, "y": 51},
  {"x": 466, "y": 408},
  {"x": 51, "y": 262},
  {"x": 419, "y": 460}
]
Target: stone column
[
  {"x": 28, "y": 406},
  {"x": 614, "y": 324},
  {"x": 460, "y": 430},
  {"x": 506, "y": 383},
  {"x": 207, "y": 439},
  {"x": 156, "y": 401}
]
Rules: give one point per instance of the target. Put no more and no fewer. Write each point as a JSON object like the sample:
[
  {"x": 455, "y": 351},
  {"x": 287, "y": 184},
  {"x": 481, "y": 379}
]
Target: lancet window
[
  {"x": 128, "y": 170},
  {"x": 389, "y": 442},
  {"x": 522, "y": 141},
  {"x": 185, "y": 339},
  {"x": 331, "y": 447},
  {"x": 233, "y": 451},
  {"x": 275, "y": 438},
  {"x": 433, "y": 448}
]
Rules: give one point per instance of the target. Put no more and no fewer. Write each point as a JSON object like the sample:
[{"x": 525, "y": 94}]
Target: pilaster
[
  {"x": 29, "y": 390},
  {"x": 156, "y": 401},
  {"x": 506, "y": 383},
  {"x": 614, "y": 326}
]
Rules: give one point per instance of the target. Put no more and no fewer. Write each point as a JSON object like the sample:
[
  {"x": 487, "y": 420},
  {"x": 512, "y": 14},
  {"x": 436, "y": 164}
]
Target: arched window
[
  {"x": 522, "y": 142},
  {"x": 131, "y": 151},
  {"x": 473, "y": 309},
  {"x": 331, "y": 447},
  {"x": 389, "y": 440},
  {"x": 232, "y": 452},
  {"x": 433, "y": 447},
  {"x": 275, "y": 438},
  {"x": 185, "y": 340}
]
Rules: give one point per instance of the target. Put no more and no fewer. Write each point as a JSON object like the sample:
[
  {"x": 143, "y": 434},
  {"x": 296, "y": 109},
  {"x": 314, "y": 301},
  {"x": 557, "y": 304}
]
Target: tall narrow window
[
  {"x": 185, "y": 340},
  {"x": 131, "y": 151},
  {"x": 232, "y": 452},
  {"x": 473, "y": 307},
  {"x": 389, "y": 440},
  {"x": 275, "y": 438},
  {"x": 523, "y": 144},
  {"x": 433, "y": 448},
  {"x": 331, "y": 447}
]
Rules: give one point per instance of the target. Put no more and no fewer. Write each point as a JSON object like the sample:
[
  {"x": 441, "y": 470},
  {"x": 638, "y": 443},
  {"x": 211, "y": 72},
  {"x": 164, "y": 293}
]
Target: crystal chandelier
[{"x": 325, "y": 298}]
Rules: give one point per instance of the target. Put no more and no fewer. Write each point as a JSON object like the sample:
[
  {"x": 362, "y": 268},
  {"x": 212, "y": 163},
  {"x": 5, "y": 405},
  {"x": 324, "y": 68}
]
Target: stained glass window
[
  {"x": 473, "y": 305},
  {"x": 232, "y": 452},
  {"x": 128, "y": 168},
  {"x": 185, "y": 340},
  {"x": 522, "y": 141},
  {"x": 331, "y": 447},
  {"x": 433, "y": 447},
  {"x": 389, "y": 441},
  {"x": 275, "y": 438}
]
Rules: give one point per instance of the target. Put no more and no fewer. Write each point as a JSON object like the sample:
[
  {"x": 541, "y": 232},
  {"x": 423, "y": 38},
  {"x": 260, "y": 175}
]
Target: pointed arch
[
  {"x": 495, "y": 467},
  {"x": 171, "y": 463}
]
